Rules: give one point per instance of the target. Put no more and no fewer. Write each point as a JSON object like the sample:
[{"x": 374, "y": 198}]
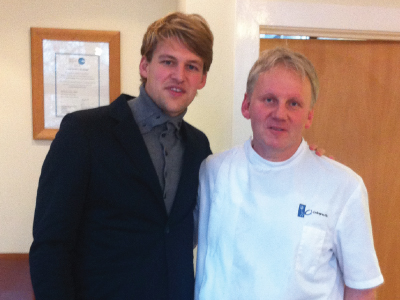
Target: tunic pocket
[{"x": 310, "y": 248}]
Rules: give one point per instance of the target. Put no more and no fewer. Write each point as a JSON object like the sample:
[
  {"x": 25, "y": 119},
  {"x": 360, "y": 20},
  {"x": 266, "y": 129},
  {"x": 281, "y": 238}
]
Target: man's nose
[
  {"x": 280, "y": 111},
  {"x": 179, "y": 73}
]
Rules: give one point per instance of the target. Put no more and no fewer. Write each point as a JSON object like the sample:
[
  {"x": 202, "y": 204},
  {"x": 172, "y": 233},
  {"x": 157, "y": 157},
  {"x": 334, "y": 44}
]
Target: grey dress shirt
[{"x": 161, "y": 134}]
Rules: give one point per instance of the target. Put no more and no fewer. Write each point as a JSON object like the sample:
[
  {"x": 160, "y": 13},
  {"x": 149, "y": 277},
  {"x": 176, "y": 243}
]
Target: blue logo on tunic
[
  {"x": 81, "y": 61},
  {"x": 303, "y": 212}
]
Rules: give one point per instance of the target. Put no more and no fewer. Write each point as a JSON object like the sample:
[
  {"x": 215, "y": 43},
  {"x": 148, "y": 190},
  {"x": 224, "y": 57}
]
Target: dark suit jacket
[{"x": 101, "y": 230}]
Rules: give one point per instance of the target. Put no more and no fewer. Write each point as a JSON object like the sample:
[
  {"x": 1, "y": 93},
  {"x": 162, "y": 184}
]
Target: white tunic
[{"x": 282, "y": 230}]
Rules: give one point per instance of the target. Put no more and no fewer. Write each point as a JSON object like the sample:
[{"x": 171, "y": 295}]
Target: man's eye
[
  {"x": 192, "y": 68},
  {"x": 166, "y": 62},
  {"x": 269, "y": 100},
  {"x": 294, "y": 104}
]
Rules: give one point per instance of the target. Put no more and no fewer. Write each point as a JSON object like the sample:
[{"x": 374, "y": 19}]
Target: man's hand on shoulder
[{"x": 319, "y": 151}]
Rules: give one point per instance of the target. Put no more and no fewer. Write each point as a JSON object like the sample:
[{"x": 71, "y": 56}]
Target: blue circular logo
[{"x": 81, "y": 61}]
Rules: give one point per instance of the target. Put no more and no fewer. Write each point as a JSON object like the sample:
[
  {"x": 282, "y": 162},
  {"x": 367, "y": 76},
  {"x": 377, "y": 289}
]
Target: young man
[
  {"x": 113, "y": 217},
  {"x": 277, "y": 222}
]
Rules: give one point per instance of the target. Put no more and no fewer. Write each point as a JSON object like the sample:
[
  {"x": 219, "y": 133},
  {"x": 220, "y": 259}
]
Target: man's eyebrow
[
  {"x": 268, "y": 95},
  {"x": 192, "y": 61},
  {"x": 167, "y": 56},
  {"x": 196, "y": 61}
]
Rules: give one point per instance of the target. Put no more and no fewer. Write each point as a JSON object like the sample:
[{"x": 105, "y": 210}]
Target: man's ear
[
  {"x": 203, "y": 81},
  {"x": 310, "y": 117},
  {"x": 144, "y": 63},
  {"x": 246, "y": 107}
]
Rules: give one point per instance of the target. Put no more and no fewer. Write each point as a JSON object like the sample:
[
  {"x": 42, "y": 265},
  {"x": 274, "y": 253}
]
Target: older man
[{"x": 277, "y": 222}]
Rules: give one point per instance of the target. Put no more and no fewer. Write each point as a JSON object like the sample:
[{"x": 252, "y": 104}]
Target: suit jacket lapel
[
  {"x": 127, "y": 132},
  {"x": 189, "y": 170}
]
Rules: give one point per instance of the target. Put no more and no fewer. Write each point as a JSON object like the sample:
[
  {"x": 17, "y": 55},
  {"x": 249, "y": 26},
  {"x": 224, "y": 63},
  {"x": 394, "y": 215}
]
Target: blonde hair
[
  {"x": 190, "y": 29},
  {"x": 290, "y": 59}
]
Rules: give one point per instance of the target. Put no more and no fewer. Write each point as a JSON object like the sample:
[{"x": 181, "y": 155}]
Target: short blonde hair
[
  {"x": 190, "y": 29},
  {"x": 290, "y": 59}
]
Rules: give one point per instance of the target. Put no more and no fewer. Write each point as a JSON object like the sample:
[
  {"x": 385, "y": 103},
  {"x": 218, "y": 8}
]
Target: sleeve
[
  {"x": 208, "y": 174},
  {"x": 207, "y": 153},
  {"x": 59, "y": 206},
  {"x": 196, "y": 223},
  {"x": 354, "y": 243},
  {"x": 203, "y": 209}
]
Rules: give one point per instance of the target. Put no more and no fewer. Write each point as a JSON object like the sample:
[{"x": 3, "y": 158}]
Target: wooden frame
[
  {"x": 38, "y": 93},
  {"x": 15, "y": 279}
]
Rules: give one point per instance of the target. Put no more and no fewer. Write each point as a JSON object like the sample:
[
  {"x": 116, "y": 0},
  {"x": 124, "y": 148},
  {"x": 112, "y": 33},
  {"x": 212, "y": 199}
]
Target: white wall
[
  {"x": 212, "y": 110},
  {"x": 217, "y": 107}
]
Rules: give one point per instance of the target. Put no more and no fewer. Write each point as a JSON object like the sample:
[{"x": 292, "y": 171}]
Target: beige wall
[
  {"x": 216, "y": 109},
  {"x": 381, "y": 3}
]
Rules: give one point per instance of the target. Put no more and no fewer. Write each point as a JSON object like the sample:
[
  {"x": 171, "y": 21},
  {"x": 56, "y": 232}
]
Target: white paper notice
[
  {"x": 77, "y": 82},
  {"x": 75, "y": 77}
]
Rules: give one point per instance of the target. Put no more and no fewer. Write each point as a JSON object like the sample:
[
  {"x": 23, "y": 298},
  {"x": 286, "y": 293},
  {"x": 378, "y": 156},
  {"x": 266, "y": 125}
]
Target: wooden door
[{"x": 357, "y": 120}]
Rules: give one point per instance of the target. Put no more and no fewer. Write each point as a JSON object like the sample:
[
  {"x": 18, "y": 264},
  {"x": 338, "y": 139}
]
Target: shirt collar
[{"x": 148, "y": 115}]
